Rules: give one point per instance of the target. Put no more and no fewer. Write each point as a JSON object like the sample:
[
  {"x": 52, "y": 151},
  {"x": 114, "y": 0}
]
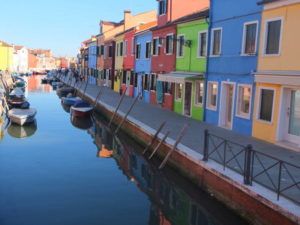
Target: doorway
[
  {"x": 226, "y": 109},
  {"x": 187, "y": 98}
]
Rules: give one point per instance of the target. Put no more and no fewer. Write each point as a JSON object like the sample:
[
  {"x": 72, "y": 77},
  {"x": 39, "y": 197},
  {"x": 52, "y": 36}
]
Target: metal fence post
[
  {"x": 205, "y": 145},
  {"x": 247, "y": 166}
]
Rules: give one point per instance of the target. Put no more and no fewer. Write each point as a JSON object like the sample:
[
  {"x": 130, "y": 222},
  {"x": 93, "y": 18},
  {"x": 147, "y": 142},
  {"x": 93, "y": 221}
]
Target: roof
[
  {"x": 146, "y": 26},
  {"x": 4, "y": 44},
  {"x": 18, "y": 47},
  {"x": 112, "y": 23},
  {"x": 195, "y": 16},
  {"x": 266, "y": 2},
  {"x": 124, "y": 32}
]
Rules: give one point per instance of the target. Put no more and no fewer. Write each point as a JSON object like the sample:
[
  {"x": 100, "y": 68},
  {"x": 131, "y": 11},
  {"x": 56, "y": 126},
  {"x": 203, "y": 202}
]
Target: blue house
[
  {"x": 92, "y": 60},
  {"x": 232, "y": 61},
  {"x": 142, "y": 65}
]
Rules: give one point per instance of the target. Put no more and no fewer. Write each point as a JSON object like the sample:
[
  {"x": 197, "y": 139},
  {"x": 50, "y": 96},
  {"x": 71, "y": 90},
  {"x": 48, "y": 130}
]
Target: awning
[
  {"x": 278, "y": 77},
  {"x": 179, "y": 77}
]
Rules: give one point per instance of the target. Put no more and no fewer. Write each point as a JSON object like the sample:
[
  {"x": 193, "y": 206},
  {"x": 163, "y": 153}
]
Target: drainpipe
[{"x": 209, "y": 22}]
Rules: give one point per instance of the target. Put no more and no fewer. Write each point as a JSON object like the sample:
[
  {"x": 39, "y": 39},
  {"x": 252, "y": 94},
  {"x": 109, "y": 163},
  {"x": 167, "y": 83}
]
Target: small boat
[
  {"x": 70, "y": 100},
  {"x": 20, "y": 84},
  {"x": 64, "y": 91},
  {"x": 83, "y": 123},
  {"x": 22, "y": 116},
  {"x": 81, "y": 109},
  {"x": 17, "y": 98}
]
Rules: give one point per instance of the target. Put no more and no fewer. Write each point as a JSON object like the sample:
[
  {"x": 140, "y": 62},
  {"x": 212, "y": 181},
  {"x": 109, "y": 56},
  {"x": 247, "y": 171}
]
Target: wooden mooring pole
[
  {"x": 178, "y": 139},
  {"x": 117, "y": 108},
  {"x": 125, "y": 117},
  {"x": 158, "y": 146},
  {"x": 154, "y": 137}
]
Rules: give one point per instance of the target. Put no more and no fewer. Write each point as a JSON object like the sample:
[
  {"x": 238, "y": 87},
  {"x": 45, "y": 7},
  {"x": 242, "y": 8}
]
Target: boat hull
[
  {"x": 78, "y": 112},
  {"x": 20, "y": 118}
]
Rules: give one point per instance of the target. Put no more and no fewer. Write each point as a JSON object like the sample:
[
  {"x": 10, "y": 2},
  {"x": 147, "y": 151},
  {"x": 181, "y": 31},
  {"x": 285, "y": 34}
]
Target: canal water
[{"x": 63, "y": 171}]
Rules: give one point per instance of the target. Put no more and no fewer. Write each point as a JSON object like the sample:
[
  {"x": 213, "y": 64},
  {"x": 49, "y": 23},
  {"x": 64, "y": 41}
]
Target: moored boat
[
  {"x": 16, "y": 99},
  {"x": 81, "y": 109},
  {"x": 22, "y": 116},
  {"x": 70, "y": 100}
]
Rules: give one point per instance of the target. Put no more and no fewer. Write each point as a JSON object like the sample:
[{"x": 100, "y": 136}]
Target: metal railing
[{"x": 281, "y": 177}]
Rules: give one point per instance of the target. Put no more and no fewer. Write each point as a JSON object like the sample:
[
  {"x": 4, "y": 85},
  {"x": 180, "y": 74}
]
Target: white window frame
[
  {"x": 244, "y": 38},
  {"x": 243, "y": 115},
  {"x": 178, "y": 43},
  {"x": 200, "y": 43},
  {"x": 157, "y": 46},
  {"x": 259, "y": 105},
  {"x": 125, "y": 48},
  {"x": 195, "y": 97},
  {"x": 172, "y": 46},
  {"x": 212, "y": 42},
  {"x": 208, "y": 106},
  {"x": 266, "y": 36},
  {"x": 148, "y": 42},
  {"x": 178, "y": 99},
  {"x": 165, "y": 12}
]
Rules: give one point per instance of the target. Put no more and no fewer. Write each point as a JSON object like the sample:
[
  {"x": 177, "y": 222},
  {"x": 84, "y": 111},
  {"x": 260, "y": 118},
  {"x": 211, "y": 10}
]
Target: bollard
[
  {"x": 247, "y": 165},
  {"x": 205, "y": 145}
]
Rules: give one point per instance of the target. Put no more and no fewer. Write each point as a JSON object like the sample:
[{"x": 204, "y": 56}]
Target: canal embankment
[
  {"x": 260, "y": 181},
  {"x": 6, "y": 81}
]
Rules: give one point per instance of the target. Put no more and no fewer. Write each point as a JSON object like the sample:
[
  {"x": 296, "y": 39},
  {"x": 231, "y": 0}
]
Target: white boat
[{"x": 22, "y": 116}]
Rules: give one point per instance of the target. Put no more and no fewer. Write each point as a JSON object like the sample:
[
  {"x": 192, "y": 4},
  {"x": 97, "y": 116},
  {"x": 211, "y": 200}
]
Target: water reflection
[
  {"x": 65, "y": 107},
  {"x": 83, "y": 123},
  {"x": 34, "y": 84},
  {"x": 174, "y": 200},
  {"x": 24, "y": 131}
]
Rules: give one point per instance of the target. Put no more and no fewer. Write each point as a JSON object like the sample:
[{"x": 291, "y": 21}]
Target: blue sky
[{"x": 60, "y": 25}]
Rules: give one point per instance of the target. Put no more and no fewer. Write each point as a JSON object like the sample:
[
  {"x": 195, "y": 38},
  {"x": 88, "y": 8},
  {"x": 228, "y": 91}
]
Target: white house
[{"x": 20, "y": 59}]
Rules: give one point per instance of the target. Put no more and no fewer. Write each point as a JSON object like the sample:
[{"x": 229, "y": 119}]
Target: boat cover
[{"x": 81, "y": 104}]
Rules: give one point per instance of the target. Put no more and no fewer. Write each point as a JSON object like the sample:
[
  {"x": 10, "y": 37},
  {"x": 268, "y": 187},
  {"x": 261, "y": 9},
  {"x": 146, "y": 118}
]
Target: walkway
[{"x": 150, "y": 117}]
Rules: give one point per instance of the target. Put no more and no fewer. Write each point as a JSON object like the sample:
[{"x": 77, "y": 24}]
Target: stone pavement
[{"x": 152, "y": 116}]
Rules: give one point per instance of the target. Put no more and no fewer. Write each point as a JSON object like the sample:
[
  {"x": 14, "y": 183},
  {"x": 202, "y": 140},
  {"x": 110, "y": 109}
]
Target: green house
[{"x": 192, "y": 35}]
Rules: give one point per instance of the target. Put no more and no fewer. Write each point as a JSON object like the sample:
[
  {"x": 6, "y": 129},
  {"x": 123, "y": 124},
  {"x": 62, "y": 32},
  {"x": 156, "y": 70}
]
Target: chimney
[{"x": 127, "y": 16}]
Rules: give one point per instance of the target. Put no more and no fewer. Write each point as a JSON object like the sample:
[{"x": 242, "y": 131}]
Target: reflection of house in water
[
  {"x": 103, "y": 139},
  {"x": 34, "y": 84}
]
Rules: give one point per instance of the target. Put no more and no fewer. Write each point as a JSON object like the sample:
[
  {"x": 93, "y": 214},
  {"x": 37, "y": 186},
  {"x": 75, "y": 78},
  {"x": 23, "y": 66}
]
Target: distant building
[
  {"x": 20, "y": 59},
  {"x": 6, "y": 56}
]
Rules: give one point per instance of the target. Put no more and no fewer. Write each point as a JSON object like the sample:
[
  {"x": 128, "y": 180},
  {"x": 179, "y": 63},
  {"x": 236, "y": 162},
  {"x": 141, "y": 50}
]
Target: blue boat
[{"x": 70, "y": 100}]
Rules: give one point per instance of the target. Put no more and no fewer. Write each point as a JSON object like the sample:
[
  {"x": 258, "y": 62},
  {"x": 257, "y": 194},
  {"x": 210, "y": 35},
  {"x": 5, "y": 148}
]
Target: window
[
  {"x": 146, "y": 84},
  {"x": 169, "y": 44},
  {"x": 155, "y": 46},
  {"x": 216, "y": 42},
  {"x": 212, "y": 95},
  {"x": 117, "y": 49},
  {"x": 138, "y": 51},
  {"x": 153, "y": 82},
  {"x": 244, "y": 101},
  {"x": 132, "y": 47},
  {"x": 265, "y": 109},
  {"x": 180, "y": 45},
  {"x": 131, "y": 77},
  {"x": 105, "y": 52},
  {"x": 199, "y": 93},
  {"x": 110, "y": 51},
  {"x": 125, "y": 48},
  {"x": 135, "y": 80},
  {"x": 148, "y": 50},
  {"x": 102, "y": 50},
  {"x": 178, "y": 92},
  {"x": 124, "y": 77},
  {"x": 249, "y": 38},
  {"x": 162, "y": 7},
  {"x": 202, "y": 44},
  {"x": 272, "y": 36},
  {"x": 121, "y": 49}
]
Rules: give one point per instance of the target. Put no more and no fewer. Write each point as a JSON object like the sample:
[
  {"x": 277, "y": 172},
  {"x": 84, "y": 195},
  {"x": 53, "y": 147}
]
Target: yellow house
[
  {"x": 119, "y": 39},
  {"x": 6, "y": 56},
  {"x": 276, "y": 117}
]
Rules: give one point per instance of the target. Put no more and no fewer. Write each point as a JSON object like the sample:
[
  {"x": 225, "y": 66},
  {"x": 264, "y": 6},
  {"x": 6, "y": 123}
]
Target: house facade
[
  {"x": 143, "y": 81},
  {"x": 119, "y": 52},
  {"x": 232, "y": 61},
  {"x": 20, "y": 59},
  {"x": 192, "y": 33},
  {"x": 6, "y": 56},
  {"x": 277, "y": 103},
  {"x": 92, "y": 59}
]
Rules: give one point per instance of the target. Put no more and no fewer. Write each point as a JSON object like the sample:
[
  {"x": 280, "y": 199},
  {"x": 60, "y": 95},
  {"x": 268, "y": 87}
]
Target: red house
[{"x": 164, "y": 43}]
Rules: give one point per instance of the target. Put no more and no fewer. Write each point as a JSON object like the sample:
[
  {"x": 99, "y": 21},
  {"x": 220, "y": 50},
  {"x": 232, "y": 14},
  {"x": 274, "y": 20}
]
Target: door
[
  {"x": 107, "y": 78},
  {"x": 187, "y": 98},
  {"x": 292, "y": 131},
  {"x": 226, "y": 110},
  {"x": 128, "y": 74}
]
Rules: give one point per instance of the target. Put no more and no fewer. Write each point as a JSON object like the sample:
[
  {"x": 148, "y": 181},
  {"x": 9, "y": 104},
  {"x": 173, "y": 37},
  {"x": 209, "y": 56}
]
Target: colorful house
[
  {"x": 232, "y": 61},
  {"x": 128, "y": 62},
  {"x": 119, "y": 52},
  {"x": 92, "y": 59},
  {"x": 188, "y": 79},
  {"x": 20, "y": 59},
  {"x": 143, "y": 81},
  {"x": 6, "y": 56},
  {"x": 276, "y": 116},
  {"x": 164, "y": 47}
]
